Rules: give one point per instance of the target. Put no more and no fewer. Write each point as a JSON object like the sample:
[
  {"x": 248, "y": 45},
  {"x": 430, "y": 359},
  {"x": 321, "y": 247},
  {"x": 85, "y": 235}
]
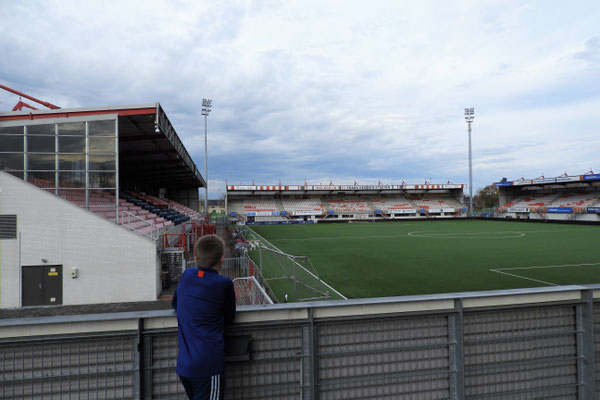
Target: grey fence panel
[
  {"x": 422, "y": 347},
  {"x": 521, "y": 354},
  {"x": 597, "y": 344},
  {"x": 158, "y": 367},
  {"x": 274, "y": 369},
  {"x": 75, "y": 368},
  {"x": 391, "y": 358}
]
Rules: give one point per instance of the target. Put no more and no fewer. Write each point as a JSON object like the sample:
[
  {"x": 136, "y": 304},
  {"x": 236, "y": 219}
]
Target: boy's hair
[{"x": 208, "y": 251}]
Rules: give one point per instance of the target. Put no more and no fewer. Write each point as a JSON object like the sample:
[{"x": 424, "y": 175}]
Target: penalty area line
[
  {"x": 523, "y": 277},
  {"x": 503, "y": 271}
]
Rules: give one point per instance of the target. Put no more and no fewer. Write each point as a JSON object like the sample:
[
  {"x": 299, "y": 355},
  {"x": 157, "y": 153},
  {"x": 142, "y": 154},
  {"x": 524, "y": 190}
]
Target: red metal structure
[{"x": 19, "y": 106}]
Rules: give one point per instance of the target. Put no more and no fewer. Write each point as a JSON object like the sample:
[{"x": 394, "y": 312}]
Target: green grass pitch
[{"x": 419, "y": 257}]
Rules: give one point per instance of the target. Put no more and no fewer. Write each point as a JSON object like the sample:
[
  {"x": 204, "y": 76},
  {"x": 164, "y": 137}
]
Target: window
[
  {"x": 71, "y": 179},
  {"x": 71, "y": 128},
  {"x": 71, "y": 161},
  {"x": 71, "y": 144},
  {"x": 42, "y": 179},
  {"x": 11, "y": 161},
  {"x": 41, "y": 144},
  {"x": 102, "y": 145},
  {"x": 11, "y": 130},
  {"x": 101, "y": 128},
  {"x": 11, "y": 143},
  {"x": 45, "y": 129},
  {"x": 41, "y": 161},
  {"x": 102, "y": 162},
  {"x": 102, "y": 180}
]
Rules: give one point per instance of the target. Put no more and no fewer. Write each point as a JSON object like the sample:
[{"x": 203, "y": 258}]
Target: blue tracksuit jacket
[{"x": 204, "y": 302}]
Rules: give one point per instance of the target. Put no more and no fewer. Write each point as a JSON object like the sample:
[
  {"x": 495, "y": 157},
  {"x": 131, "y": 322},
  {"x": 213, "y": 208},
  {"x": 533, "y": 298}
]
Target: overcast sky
[{"x": 330, "y": 90}]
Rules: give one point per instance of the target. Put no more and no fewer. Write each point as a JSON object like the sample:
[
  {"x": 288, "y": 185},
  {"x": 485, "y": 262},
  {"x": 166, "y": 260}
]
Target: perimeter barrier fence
[{"x": 516, "y": 344}]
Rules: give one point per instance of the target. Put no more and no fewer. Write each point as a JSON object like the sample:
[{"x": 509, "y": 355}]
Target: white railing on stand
[{"x": 128, "y": 218}]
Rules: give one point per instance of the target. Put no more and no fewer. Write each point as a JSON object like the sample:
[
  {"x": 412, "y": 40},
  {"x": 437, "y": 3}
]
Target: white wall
[{"x": 114, "y": 265}]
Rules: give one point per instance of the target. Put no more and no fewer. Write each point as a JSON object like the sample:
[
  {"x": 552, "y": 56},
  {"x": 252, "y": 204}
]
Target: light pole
[
  {"x": 469, "y": 117},
  {"x": 206, "y": 108}
]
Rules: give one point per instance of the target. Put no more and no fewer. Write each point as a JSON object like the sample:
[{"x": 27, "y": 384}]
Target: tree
[{"x": 487, "y": 197}]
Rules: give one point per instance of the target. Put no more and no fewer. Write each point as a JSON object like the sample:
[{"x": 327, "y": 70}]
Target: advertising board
[
  {"x": 522, "y": 182},
  {"x": 402, "y": 211},
  {"x": 306, "y": 212},
  {"x": 568, "y": 179},
  {"x": 591, "y": 177},
  {"x": 545, "y": 180},
  {"x": 560, "y": 210},
  {"x": 262, "y": 213}
]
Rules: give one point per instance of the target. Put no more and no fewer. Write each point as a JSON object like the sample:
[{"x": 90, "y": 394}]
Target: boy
[{"x": 204, "y": 302}]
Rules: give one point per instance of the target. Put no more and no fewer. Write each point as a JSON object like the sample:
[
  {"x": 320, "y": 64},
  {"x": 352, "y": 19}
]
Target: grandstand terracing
[
  {"x": 343, "y": 207},
  {"x": 141, "y": 213},
  {"x": 575, "y": 200}
]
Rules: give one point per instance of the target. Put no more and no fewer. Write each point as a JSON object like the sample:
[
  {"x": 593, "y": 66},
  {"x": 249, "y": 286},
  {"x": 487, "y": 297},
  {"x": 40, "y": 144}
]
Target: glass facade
[{"x": 74, "y": 160}]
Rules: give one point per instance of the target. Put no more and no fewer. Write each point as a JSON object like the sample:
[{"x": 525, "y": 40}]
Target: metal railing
[
  {"x": 126, "y": 222},
  {"x": 541, "y": 343}
]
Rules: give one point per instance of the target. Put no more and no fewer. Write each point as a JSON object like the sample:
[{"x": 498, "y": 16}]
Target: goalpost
[{"x": 291, "y": 277}]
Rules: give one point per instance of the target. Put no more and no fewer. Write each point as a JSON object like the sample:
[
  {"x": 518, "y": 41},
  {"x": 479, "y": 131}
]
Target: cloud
[
  {"x": 591, "y": 52},
  {"x": 335, "y": 90}
]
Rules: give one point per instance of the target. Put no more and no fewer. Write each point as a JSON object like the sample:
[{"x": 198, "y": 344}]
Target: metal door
[{"x": 42, "y": 285}]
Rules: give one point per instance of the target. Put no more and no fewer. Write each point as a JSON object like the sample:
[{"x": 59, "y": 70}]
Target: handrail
[{"x": 153, "y": 234}]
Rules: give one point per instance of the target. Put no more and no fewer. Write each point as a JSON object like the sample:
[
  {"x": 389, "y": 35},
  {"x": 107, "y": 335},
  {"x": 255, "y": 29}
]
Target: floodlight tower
[
  {"x": 469, "y": 117},
  {"x": 206, "y": 108}
]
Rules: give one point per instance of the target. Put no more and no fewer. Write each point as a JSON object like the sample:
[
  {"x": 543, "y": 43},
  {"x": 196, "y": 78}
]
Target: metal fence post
[
  {"x": 308, "y": 374},
  {"x": 146, "y": 367},
  {"x": 456, "y": 352},
  {"x": 586, "y": 375},
  {"x": 136, "y": 392}
]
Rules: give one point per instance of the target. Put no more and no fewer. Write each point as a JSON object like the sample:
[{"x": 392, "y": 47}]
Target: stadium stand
[
  {"x": 564, "y": 198},
  {"x": 303, "y": 206},
  {"x": 576, "y": 200},
  {"x": 396, "y": 203},
  {"x": 348, "y": 205},
  {"x": 435, "y": 202},
  {"x": 533, "y": 201},
  {"x": 260, "y": 205},
  {"x": 122, "y": 164},
  {"x": 331, "y": 203}
]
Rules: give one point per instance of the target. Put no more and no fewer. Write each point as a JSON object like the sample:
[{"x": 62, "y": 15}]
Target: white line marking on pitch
[
  {"x": 502, "y": 271},
  {"x": 465, "y": 235},
  {"x": 341, "y": 237},
  {"x": 523, "y": 277},
  {"x": 313, "y": 275}
]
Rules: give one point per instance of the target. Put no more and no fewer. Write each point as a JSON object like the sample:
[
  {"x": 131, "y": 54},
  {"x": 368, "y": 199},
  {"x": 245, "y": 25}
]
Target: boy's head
[{"x": 209, "y": 251}]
